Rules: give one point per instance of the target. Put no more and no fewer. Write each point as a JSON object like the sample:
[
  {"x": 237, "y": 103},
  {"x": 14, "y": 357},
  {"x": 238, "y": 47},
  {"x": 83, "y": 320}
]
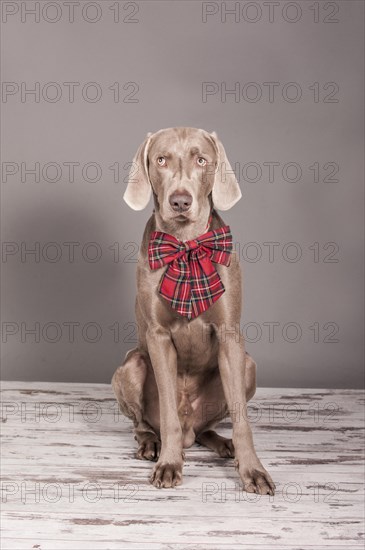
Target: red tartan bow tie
[{"x": 191, "y": 283}]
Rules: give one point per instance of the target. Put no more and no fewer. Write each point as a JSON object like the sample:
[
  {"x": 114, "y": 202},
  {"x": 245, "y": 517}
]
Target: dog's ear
[
  {"x": 139, "y": 190},
  {"x": 226, "y": 191}
]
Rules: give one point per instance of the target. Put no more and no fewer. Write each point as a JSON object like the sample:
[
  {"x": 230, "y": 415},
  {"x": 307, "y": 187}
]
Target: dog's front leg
[
  {"x": 232, "y": 359},
  {"x": 168, "y": 470}
]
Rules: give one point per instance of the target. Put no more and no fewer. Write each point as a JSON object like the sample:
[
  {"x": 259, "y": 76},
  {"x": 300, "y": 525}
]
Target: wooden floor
[{"x": 70, "y": 478}]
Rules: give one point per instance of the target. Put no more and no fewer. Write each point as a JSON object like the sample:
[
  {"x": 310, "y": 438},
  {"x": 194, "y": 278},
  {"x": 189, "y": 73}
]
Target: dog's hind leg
[
  {"x": 217, "y": 443},
  {"x": 128, "y": 383},
  {"x": 214, "y": 394}
]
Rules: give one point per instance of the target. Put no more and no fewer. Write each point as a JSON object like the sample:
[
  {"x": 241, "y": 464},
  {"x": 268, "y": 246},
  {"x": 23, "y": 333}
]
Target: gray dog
[{"x": 190, "y": 368}]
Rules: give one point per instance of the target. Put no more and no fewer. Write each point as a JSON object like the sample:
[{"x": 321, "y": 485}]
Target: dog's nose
[{"x": 180, "y": 202}]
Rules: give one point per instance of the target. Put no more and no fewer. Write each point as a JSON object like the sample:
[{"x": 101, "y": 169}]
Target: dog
[{"x": 190, "y": 368}]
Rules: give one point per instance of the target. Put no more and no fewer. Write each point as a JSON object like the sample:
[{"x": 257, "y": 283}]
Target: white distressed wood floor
[{"x": 70, "y": 478}]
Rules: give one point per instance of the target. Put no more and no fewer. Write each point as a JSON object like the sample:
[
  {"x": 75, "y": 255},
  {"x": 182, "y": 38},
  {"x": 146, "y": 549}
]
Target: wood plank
[
  {"x": 195, "y": 529},
  {"x": 56, "y": 467}
]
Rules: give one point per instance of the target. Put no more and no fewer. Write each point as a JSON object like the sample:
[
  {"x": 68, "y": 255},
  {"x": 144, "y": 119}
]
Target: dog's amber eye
[
  {"x": 161, "y": 161},
  {"x": 201, "y": 161}
]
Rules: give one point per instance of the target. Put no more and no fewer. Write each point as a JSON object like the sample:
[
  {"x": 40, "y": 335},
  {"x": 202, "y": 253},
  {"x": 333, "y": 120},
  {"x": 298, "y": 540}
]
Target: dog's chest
[{"x": 195, "y": 343}]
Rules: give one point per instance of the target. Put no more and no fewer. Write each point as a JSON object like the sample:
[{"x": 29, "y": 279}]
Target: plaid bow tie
[{"x": 191, "y": 283}]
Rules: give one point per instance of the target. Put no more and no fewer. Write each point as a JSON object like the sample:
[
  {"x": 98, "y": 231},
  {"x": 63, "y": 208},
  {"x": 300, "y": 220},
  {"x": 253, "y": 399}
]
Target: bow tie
[{"x": 191, "y": 283}]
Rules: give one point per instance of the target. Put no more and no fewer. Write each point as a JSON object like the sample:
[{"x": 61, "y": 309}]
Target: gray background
[{"x": 169, "y": 52}]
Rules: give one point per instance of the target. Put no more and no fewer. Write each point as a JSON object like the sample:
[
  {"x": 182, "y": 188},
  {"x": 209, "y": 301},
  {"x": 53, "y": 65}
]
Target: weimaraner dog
[{"x": 190, "y": 368}]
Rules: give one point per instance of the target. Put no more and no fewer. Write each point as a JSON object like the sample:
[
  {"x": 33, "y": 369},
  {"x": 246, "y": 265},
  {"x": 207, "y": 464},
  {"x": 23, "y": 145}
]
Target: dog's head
[{"x": 184, "y": 167}]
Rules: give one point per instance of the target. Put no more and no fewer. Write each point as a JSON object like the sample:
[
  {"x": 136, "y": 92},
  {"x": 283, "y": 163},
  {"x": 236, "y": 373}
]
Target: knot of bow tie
[
  {"x": 189, "y": 245},
  {"x": 191, "y": 283}
]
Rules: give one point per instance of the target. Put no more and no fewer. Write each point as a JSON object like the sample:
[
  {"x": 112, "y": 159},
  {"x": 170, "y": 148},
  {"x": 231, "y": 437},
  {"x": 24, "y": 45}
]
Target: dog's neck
[{"x": 185, "y": 231}]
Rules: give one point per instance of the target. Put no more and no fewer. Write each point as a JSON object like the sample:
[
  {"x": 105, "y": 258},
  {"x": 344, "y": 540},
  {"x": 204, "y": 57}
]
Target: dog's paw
[
  {"x": 225, "y": 449},
  {"x": 256, "y": 480},
  {"x": 149, "y": 450},
  {"x": 166, "y": 474}
]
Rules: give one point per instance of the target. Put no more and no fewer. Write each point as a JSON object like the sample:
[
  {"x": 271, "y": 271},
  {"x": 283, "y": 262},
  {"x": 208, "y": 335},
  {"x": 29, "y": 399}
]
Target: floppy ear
[
  {"x": 138, "y": 190},
  {"x": 226, "y": 191}
]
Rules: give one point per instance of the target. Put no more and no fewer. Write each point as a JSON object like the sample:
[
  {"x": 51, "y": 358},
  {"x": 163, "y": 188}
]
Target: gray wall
[{"x": 303, "y": 319}]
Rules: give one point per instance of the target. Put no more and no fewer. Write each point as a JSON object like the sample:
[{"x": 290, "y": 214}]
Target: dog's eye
[
  {"x": 201, "y": 161},
  {"x": 161, "y": 161}
]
